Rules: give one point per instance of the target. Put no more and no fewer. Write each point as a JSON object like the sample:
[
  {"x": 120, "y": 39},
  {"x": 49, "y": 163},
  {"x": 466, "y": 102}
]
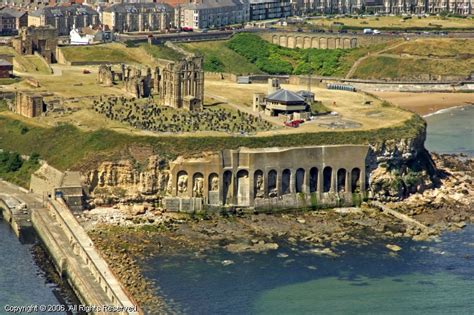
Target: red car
[{"x": 292, "y": 124}]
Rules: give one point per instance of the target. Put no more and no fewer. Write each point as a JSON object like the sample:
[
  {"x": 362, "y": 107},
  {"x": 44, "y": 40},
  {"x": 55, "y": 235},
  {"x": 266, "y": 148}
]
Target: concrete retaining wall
[{"x": 82, "y": 246}]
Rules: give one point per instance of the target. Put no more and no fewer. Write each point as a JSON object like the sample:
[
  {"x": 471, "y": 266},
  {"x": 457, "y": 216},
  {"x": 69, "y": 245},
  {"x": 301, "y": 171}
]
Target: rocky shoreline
[{"x": 128, "y": 238}]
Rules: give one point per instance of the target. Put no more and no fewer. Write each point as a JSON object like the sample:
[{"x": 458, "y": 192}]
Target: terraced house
[
  {"x": 462, "y": 7},
  {"x": 138, "y": 17},
  {"x": 7, "y": 24},
  {"x": 202, "y": 14},
  {"x": 64, "y": 18},
  {"x": 269, "y": 9}
]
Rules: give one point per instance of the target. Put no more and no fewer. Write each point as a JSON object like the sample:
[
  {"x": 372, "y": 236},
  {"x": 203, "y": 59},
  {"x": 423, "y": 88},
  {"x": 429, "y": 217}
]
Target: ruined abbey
[{"x": 179, "y": 84}]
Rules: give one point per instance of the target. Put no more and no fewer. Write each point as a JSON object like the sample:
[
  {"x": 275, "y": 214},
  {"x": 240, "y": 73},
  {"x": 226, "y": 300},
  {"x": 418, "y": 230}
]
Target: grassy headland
[
  {"x": 66, "y": 146},
  {"x": 396, "y": 23}
]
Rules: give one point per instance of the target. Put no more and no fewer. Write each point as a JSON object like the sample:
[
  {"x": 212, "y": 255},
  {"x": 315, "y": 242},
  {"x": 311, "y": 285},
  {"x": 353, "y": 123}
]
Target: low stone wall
[
  {"x": 82, "y": 247},
  {"x": 395, "y": 86}
]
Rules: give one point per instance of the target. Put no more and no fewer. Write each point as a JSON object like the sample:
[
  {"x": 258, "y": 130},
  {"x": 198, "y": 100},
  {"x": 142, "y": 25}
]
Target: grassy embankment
[
  {"x": 437, "y": 57},
  {"x": 30, "y": 64},
  {"x": 248, "y": 53},
  {"x": 65, "y": 146},
  {"x": 12, "y": 167},
  {"x": 394, "y": 23},
  {"x": 119, "y": 53}
]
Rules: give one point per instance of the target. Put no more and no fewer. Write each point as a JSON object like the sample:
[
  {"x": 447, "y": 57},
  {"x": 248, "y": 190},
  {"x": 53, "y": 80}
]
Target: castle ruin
[
  {"x": 28, "y": 104},
  {"x": 42, "y": 39}
]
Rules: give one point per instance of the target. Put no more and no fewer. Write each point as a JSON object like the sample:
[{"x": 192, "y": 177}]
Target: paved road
[{"x": 32, "y": 200}]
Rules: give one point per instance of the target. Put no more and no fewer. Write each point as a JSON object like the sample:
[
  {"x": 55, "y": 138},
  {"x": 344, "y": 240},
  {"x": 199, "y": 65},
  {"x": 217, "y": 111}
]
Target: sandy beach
[{"x": 426, "y": 103}]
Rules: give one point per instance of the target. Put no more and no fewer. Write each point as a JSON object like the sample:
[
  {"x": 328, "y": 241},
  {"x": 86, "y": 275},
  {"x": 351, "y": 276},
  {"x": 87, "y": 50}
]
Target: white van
[{"x": 368, "y": 31}]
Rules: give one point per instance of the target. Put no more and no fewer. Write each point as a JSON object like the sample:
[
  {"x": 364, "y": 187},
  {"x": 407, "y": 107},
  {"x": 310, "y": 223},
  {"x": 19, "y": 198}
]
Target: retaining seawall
[{"x": 77, "y": 260}]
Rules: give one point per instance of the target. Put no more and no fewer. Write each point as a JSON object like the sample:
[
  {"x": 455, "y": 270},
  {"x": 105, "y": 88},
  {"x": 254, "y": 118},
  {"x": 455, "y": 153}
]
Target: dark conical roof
[{"x": 286, "y": 97}]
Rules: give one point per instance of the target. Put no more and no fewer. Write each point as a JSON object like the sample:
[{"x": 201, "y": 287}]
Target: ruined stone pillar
[
  {"x": 205, "y": 188},
  {"x": 265, "y": 183},
  {"x": 319, "y": 180},
  {"x": 279, "y": 181},
  {"x": 251, "y": 187},
  {"x": 348, "y": 186},
  {"x": 333, "y": 180},
  {"x": 307, "y": 176},
  {"x": 292, "y": 181},
  {"x": 362, "y": 180}
]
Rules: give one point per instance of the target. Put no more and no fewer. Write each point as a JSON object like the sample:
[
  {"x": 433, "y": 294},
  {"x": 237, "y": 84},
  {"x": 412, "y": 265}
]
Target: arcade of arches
[{"x": 250, "y": 177}]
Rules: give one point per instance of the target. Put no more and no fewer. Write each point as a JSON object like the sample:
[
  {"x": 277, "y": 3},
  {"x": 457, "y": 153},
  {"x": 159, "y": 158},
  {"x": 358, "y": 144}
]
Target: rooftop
[{"x": 285, "y": 97}]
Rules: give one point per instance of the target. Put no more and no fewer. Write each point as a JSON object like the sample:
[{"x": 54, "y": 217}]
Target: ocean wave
[{"x": 449, "y": 109}]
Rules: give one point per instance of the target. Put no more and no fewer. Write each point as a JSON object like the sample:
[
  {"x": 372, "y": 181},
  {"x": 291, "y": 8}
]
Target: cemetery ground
[{"x": 76, "y": 92}]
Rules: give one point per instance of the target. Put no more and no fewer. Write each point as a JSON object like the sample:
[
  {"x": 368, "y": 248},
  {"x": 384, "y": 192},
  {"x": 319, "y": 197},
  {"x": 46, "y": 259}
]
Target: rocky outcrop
[
  {"x": 397, "y": 168},
  {"x": 125, "y": 181}
]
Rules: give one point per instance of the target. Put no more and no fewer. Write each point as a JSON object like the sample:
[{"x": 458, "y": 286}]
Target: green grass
[
  {"x": 161, "y": 52},
  {"x": 99, "y": 53},
  {"x": 18, "y": 172},
  {"x": 218, "y": 57},
  {"x": 8, "y": 81},
  {"x": 387, "y": 67},
  {"x": 38, "y": 64},
  {"x": 66, "y": 146},
  {"x": 273, "y": 59}
]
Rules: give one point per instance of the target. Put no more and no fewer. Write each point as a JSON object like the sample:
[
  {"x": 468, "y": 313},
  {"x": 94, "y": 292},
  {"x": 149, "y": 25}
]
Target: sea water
[
  {"x": 21, "y": 282},
  {"x": 451, "y": 130}
]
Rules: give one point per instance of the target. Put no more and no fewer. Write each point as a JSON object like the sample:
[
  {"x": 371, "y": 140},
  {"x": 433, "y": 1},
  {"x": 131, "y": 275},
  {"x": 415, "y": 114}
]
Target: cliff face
[
  {"x": 122, "y": 180},
  {"x": 397, "y": 168}
]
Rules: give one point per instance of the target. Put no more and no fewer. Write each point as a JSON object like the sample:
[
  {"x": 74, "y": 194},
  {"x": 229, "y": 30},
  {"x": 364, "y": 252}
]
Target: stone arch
[
  {"x": 182, "y": 183},
  {"x": 341, "y": 180},
  {"x": 327, "y": 178},
  {"x": 243, "y": 188},
  {"x": 313, "y": 180},
  {"x": 323, "y": 43},
  {"x": 354, "y": 43},
  {"x": 299, "y": 180},
  {"x": 331, "y": 43},
  {"x": 346, "y": 43},
  {"x": 198, "y": 185},
  {"x": 283, "y": 41},
  {"x": 275, "y": 39},
  {"x": 213, "y": 182},
  {"x": 226, "y": 187},
  {"x": 355, "y": 180},
  {"x": 258, "y": 184},
  {"x": 213, "y": 189},
  {"x": 291, "y": 42},
  {"x": 299, "y": 42},
  {"x": 285, "y": 181},
  {"x": 272, "y": 183},
  {"x": 315, "y": 42},
  {"x": 307, "y": 42}
]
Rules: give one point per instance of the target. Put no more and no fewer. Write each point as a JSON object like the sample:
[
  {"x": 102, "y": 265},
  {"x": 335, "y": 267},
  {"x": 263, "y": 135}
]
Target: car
[
  {"x": 376, "y": 32},
  {"x": 294, "y": 123}
]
